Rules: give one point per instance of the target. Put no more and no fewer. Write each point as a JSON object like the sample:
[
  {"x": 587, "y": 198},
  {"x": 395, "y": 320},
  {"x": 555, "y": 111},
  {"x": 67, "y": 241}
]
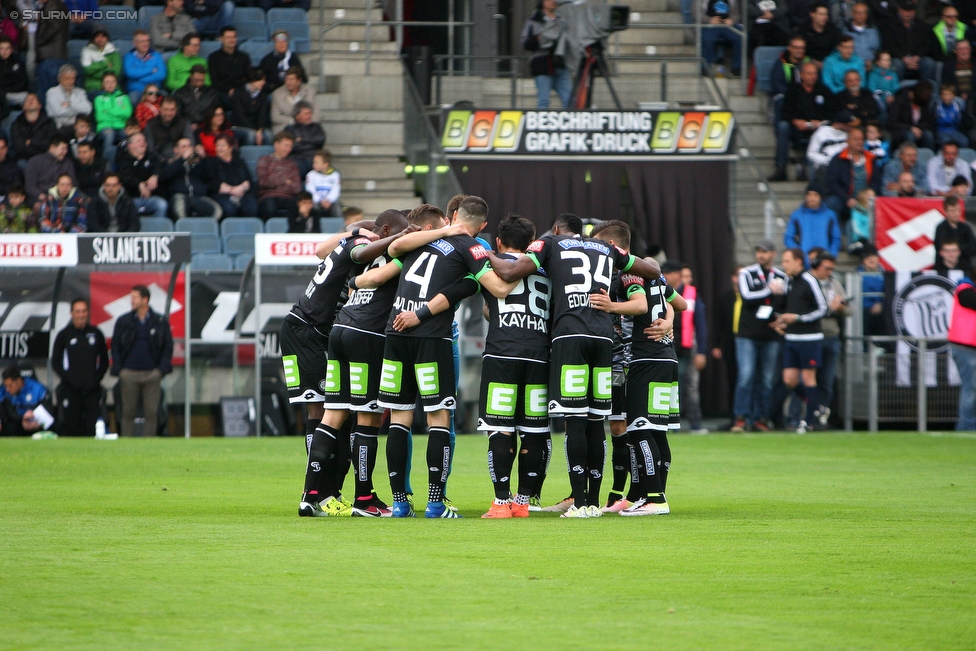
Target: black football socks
[{"x": 501, "y": 458}]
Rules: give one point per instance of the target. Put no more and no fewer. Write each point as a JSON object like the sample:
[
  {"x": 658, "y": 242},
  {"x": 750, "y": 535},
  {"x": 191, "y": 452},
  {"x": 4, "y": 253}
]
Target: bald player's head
[{"x": 390, "y": 222}]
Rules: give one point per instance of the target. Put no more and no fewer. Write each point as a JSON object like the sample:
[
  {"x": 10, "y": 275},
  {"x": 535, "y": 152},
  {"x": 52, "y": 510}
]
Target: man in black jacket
[
  {"x": 10, "y": 172},
  {"x": 165, "y": 129},
  {"x": 309, "y": 138},
  {"x": 80, "y": 358},
  {"x": 806, "y": 106},
  {"x": 142, "y": 353},
  {"x": 910, "y": 42},
  {"x": 185, "y": 183},
  {"x": 228, "y": 66},
  {"x": 139, "y": 171},
  {"x": 195, "y": 97},
  {"x": 90, "y": 170},
  {"x": 277, "y": 62},
  {"x": 31, "y": 131},
  {"x": 13, "y": 73},
  {"x": 953, "y": 228},
  {"x": 251, "y": 110},
  {"x": 111, "y": 210},
  {"x": 821, "y": 34}
]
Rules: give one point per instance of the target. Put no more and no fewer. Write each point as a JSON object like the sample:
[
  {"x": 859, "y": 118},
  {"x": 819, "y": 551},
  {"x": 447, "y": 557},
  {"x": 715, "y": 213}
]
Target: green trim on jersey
[
  {"x": 397, "y": 262},
  {"x": 485, "y": 269},
  {"x": 635, "y": 289},
  {"x": 534, "y": 259},
  {"x": 630, "y": 263}
]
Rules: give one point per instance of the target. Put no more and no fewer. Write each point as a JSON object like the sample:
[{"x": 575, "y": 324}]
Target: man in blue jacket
[
  {"x": 142, "y": 66},
  {"x": 813, "y": 224},
  {"x": 19, "y": 398},
  {"x": 839, "y": 63},
  {"x": 142, "y": 353}
]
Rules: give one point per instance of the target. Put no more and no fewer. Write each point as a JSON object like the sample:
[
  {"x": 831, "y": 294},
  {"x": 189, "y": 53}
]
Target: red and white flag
[{"x": 905, "y": 232}]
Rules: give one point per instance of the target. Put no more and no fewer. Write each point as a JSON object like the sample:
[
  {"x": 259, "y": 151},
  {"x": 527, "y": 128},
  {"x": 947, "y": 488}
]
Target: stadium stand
[
  {"x": 146, "y": 13},
  {"x": 256, "y": 49},
  {"x": 276, "y": 225},
  {"x": 331, "y": 224},
  {"x": 241, "y": 225},
  {"x": 205, "y": 242},
  {"x": 241, "y": 261},
  {"x": 120, "y": 31},
  {"x": 156, "y": 225},
  {"x": 248, "y": 31},
  {"x": 237, "y": 243},
  {"x": 212, "y": 262},
  {"x": 197, "y": 226}
]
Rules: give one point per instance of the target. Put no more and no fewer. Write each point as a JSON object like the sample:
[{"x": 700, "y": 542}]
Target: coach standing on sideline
[
  {"x": 80, "y": 358},
  {"x": 142, "y": 353},
  {"x": 962, "y": 343}
]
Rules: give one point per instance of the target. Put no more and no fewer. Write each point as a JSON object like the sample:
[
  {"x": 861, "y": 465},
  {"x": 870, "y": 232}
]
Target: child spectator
[
  {"x": 875, "y": 143},
  {"x": 960, "y": 187},
  {"x": 304, "y": 221},
  {"x": 148, "y": 106},
  {"x": 83, "y": 130},
  {"x": 948, "y": 118},
  {"x": 860, "y": 233},
  {"x": 112, "y": 109},
  {"x": 324, "y": 184},
  {"x": 883, "y": 82},
  {"x": 214, "y": 124},
  {"x": 15, "y": 215},
  {"x": 97, "y": 58}
]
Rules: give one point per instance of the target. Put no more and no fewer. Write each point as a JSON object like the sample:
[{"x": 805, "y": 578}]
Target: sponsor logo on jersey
[
  {"x": 361, "y": 240},
  {"x": 536, "y": 247},
  {"x": 630, "y": 279},
  {"x": 478, "y": 252},
  {"x": 443, "y": 246}
]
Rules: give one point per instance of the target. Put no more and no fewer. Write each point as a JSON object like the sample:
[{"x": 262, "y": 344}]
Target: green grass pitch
[{"x": 827, "y": 541}]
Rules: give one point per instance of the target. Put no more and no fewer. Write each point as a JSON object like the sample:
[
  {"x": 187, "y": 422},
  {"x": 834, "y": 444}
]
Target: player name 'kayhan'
[
  {"x": 131, "y": 250},
  {"x": 406, "y": 305},
  {"x": 524, "y": 321}
]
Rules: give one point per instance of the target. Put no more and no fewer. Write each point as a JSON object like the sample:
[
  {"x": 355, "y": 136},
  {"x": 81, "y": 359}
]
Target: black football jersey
[
  {"x": 578, "y": 267},
  {"x": 659, "y": 294},
  {"x": 369, "y": 309},
  {"x": 319, "y": 304},
  {"x": 622, "y": 288},
  {"x": 426, "y": 272},
  {"x": 518, "y": 325}
]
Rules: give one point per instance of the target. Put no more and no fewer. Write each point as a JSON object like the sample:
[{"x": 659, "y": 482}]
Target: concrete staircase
[{"x": 362, "y": 114}]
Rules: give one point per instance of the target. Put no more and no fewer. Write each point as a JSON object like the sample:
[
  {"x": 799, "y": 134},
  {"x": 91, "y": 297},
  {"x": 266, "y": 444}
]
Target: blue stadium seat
[
  {"x": 243, "y": 225},
  {"x": 75, "y": 46},
  {"x": 241, "y": 260},
  {"x": 967, "y": 154},
  {"x": 249, "y": 15},
  {"x": 197, "y": 225},
  {"x": 276, "y": 225},
  {"x": 924, "y": 156},
  {"x": 237, "y": 243},
  {"x": 168, "y": 55},
  {"x": 764, "y": 59},
  {"x": 251, "y": 153},
  {"x": 212, "y": 262},
  {"x": 332, "y": 224},
  {"x": 205, "y": 243},
  {"x": 209, "y": 47},
  {"x": 155, "y": 225},
  {"x": 286, "y": 14},
  {"x": 255, "y": 49},
  {"x": 146, "y": 12},
  {"x": 251, "y": 31},
  {"x": 120, "y": 31},
  {"x": 298, "y": 34}
]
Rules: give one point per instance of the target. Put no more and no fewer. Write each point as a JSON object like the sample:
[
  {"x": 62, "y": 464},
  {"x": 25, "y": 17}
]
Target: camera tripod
[{"x": 583, "y": 86}]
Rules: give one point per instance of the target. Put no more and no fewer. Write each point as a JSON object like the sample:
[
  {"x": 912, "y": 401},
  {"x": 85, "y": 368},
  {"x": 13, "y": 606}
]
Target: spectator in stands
[
  {"x": 97, "y": 58},
  {"x": 958, "y": 70},
  {"x": 855, "y": 100},
  {"x": 230, "y": 181},
  {"x": 196, "y": 98},
  {"x": 13, "y": 73},
  {"x": 949, "y": 32},
  {"x": 278, "y": 179},
  {"x": 769, "y": 23},
  {"x": 169, "y": 27},
  {"x": 351, "y": 215},
  {"x": 228, "y": 65},
  {"x": 80, "y": 358},
  {"x": 867, "y": 41},
  {"x": 65, "y": 209},
  {"x": 139, "y": 170},
  {"x": 213, "y": 125},
  {"x": 180, "y": 64},
  {"x": 44, "y": 169},
  {"x": 90, "y": 170},
  {"x": 875, "y": 143},
  {"x": 20, "y": 398},
  {"x": 185, "y": 183},
  {"x": 325, "y": 185},
  {"x": 960, "y": 187},
  {"x": 304, "y": 221},
  {"x": 280, "y": 60},
  {"x": 953, "y": 228},
  {"x": 821, "y": 35},
  {"x": 211, "y": 16},
  {"x": 309, "y": 137},
  {"x": 131, "y": 129},
  {"x": 813, "y": 224},
  {"x": 948, "y": 118},
  {"x": 906, "y": 188},
  {"x": 251, "y": 110},
  {"x": 10, "y": 172},
  {"x": 962, "y": 346},
  {"x": 142, "y": 65},
  {"x": 883, "y": 83},
  {"x": 15, "y": 215},
  {"x": 142, "y": 354},
  {"x": 911, "y": 118},
  {"x": 722, "y": 16},
  {"x": 943, "y": 168},
  {"x": 64, "y": 102},
  {"x": 907, "y": 161},
  {"x": 949, "y": 258},
  {"x": 112, "y": 109},
  {"x": 828, "y": 140},
  {"x": 540, "y": 35},
  {"x": 31, "y": 131},
  {"x": 786, "y": 73},
  {"x": 862, "y": 221},
  {"x": 872, "y": 290},
  {"x": 111, "y": 210},
  {"x": 284, "y": 99},
  {"x": 83, "y": 130},
  {"x": 164, "y": 130},
  {"x": 50, "y": 43},
  {"x": 909, "y": 40},
  {"x": 848, "y": 173},
  {"x": 805, "y": 109},
  {"x": 839, "y": 63},
  {"x": 148, "y": 106}
]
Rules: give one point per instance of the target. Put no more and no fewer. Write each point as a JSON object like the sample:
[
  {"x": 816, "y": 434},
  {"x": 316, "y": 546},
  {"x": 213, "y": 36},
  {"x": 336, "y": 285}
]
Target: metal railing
[{"x": 426, "y": 161}]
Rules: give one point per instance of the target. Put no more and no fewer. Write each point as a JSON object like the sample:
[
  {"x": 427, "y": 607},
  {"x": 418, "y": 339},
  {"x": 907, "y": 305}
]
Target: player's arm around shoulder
[
  {"x": 635, "y": 305},
  {"x": 376, "y": 277},
  {"x": 496, "y": 286},
  {"x": 418, "y": 239},
  {"x": 512, "y": 271},
  {"x": 325, "y": 248},
  {"x": 644, "y": 267},
  {"x": 369, "y": 251}
]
